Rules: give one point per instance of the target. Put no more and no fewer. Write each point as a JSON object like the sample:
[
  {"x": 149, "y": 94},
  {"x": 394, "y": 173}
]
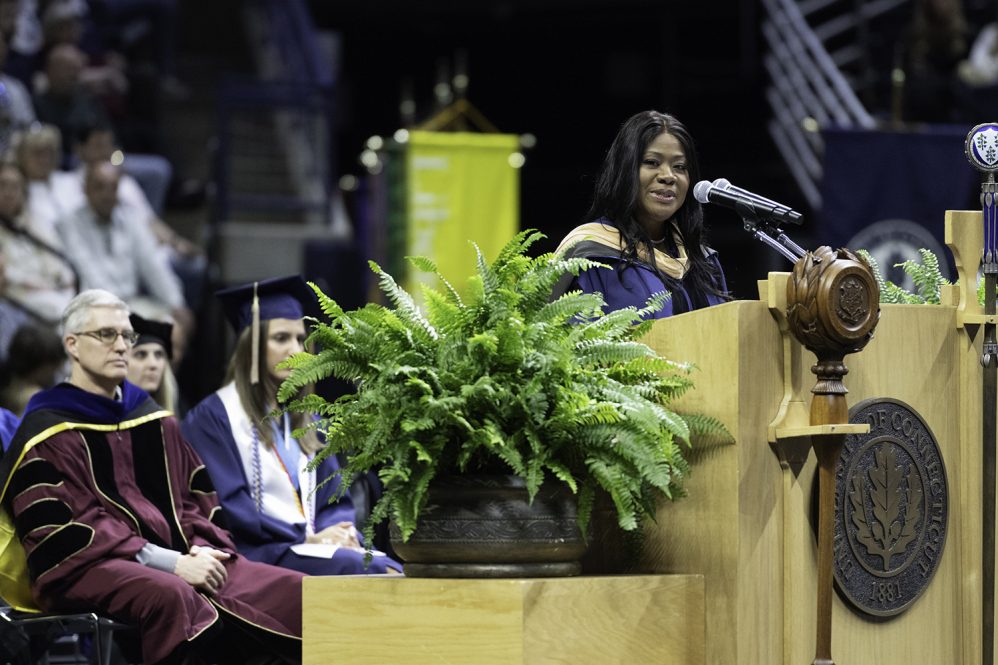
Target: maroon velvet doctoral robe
[{"x": 86, "y": 497}]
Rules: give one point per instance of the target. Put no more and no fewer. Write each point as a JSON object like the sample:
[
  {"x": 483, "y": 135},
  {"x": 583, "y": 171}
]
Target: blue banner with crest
[{"x": 887, "y": 191}]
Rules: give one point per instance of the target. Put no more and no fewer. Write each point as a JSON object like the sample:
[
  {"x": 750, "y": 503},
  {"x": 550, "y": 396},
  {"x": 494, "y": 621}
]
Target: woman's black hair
[{"x": 616, "y": 197}]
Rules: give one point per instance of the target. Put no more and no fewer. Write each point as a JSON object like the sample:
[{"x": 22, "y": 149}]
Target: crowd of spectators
[
  {"x": 945, "y": 63},
  {"x": 83, "y": 183}
]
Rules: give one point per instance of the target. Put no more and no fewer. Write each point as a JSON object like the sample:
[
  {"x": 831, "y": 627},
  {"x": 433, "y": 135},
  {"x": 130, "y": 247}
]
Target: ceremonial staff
[
  {"x": 982, "y": 151},
  {"x": 833, "y": 307}
]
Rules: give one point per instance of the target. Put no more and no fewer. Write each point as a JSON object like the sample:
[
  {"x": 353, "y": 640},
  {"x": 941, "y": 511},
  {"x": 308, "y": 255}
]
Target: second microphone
[{"x": 749, "y": 206}]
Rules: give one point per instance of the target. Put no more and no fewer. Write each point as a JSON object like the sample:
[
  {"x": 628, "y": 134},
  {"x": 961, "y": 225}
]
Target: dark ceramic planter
[{"x": 484, "y": 526}]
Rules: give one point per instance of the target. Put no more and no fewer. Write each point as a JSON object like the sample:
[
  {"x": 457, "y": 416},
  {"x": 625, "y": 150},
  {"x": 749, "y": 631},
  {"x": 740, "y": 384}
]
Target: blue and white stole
[{"x": 274, "y": 475}]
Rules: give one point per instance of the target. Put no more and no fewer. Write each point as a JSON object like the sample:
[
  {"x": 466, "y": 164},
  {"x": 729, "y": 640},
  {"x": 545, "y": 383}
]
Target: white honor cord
[
  {"x": 308, "y": 490},
  {"x": 257, "y": 488},
  {"x": 306, "y": 480}
]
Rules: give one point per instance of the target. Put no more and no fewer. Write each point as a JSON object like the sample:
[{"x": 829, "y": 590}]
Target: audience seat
[{"x": 28, "y": 638}]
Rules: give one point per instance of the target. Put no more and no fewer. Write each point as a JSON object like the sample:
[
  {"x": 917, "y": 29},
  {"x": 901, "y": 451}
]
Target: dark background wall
[{"x": 570, "y": 73}]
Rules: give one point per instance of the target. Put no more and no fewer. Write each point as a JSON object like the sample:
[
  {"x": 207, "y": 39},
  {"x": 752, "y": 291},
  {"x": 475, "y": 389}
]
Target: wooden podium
[
  {"x": 748, "y": 522},
  {"x": 747, "y": 526}
]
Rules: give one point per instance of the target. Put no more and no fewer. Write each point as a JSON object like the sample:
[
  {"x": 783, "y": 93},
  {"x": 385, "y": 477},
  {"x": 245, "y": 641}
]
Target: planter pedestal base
[{"x": 408, "y": 621}]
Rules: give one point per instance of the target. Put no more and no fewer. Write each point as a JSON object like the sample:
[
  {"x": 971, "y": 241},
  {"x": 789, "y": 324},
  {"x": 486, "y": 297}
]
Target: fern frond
[
  {"x": 443, "y": 313},
  {"x": 874, "y": 268},
  {"x": 405, "y": 305},
  {"x": 537, "y": 285},
  {"x": 570, "y": 305},
  {"x": 490, "y": 283},
  {"x": 926, "y": 276},
  {"x": 562, "y": 473},
  {"x": 655, "y": 304},
  {"x": 328, "y": 306},
  {"x": 324, "y": 336},
  {"x": 426, "y": 264},
  {"x": 516, "y": 248},
  {"x": 616, "y": 485},
  {"x": 423, "y": 263},
  {"x": 608, "y": 353},
  {"x": 312, "y": 403},
  {"x": 706, "y": 431}
]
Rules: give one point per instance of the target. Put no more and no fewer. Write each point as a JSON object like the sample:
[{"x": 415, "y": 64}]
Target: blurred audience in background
[
  {"x": 17, "y": 113},
  {"x": 52, "y": 194},
  {"x": 926, "y": 60},
  {"x": 82, "y": 190},
  {"x": 36, "y": 362},
  {"x": 112, "y": 248},
  {"x": 62, "y": 100},
  {"x": 12, "y": 317},
  {"x": 40, "y": 280}
]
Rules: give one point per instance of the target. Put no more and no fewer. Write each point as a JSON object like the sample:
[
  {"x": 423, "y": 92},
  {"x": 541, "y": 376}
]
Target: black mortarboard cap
[
  {"x": 278, "y": 298},
  {"x": 149, "y": 331}
]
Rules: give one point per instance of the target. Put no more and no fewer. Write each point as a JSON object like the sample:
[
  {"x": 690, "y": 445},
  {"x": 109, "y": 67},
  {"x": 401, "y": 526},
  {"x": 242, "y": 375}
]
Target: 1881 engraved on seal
[{"x": 891, "y": 509}]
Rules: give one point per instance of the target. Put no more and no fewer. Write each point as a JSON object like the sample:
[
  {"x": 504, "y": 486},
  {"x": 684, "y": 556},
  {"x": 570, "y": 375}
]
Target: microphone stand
[{"x": 768, "y": 233}]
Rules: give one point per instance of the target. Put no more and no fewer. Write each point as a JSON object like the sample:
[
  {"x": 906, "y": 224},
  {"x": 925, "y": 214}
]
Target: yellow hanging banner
[{"x": 461, "y": 187}]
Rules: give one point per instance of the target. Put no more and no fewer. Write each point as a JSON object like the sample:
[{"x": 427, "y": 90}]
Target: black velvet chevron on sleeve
[
  {"x": 57, "y": 547},
  {"x": 44, "y": 512},
  {"x": 201, "y": 481},
  {"x": 31, "y": 473}
]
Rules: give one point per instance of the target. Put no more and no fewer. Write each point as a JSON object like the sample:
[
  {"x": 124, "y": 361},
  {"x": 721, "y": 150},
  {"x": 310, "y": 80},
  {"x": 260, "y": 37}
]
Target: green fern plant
[
  {"x": 926, "y": 276},
  {"x": 500, "y": 377}
]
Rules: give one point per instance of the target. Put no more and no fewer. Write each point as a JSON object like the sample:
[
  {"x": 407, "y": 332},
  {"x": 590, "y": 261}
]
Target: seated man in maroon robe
[{"x": 116, "y": 514}]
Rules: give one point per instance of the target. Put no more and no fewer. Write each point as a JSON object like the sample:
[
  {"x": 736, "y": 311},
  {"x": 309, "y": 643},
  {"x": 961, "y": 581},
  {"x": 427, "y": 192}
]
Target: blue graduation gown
[
  {"x": 257, "y": 535},
  {"x": 8, "y": 425},
  {"x": 633, "y": 286},
  {"x": 630, "y": 283}
]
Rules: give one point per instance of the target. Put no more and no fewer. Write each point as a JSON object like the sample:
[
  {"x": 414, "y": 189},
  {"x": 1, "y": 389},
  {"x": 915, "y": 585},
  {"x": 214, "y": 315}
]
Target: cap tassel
[{"x": 255, "y": 365}]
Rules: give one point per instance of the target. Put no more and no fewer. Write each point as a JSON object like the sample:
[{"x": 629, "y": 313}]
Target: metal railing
[{"x": 275, "y": 152}]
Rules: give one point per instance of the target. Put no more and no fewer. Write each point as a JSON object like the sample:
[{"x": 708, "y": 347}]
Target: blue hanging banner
[{"x": 887, "y": 191}]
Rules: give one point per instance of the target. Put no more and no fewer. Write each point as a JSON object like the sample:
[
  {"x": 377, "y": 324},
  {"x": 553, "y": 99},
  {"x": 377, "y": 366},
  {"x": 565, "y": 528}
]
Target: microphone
[
  {"x": 725, "y": 184},
  {"x": 743, "y": 202}
]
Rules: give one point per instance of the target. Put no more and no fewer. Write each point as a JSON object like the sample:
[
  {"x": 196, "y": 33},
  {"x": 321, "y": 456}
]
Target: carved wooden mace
[{"x": 833, "y": 305}]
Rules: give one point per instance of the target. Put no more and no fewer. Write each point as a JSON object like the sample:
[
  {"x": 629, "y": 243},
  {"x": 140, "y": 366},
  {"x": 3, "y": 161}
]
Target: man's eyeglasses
[{"x": 108, "y": 336}]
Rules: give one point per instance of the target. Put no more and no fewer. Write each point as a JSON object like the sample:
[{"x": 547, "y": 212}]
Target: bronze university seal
[{"x": 891, "y": 509}]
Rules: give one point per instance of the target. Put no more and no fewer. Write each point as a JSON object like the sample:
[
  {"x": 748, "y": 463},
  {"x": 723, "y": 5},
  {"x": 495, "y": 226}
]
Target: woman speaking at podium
[{"x": 642, "y": 225}]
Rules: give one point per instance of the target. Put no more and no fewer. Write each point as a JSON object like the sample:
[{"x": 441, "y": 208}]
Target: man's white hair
[{"x": 77, "y": 312}]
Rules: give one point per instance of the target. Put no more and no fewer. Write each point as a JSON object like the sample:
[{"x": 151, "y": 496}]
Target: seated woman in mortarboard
[
  {"x": 149, "y": 361},
  {"x": 644, "y": 225},
  {"x": 269, "y": 498}
]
